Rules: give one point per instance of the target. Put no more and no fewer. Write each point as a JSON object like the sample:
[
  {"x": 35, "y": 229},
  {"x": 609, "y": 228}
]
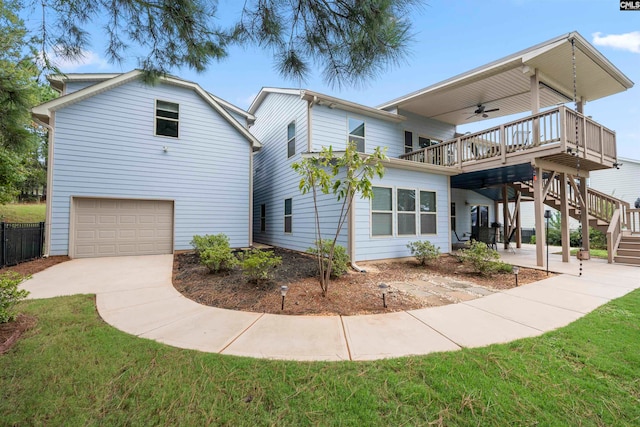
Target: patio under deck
[{"x": 547, "y": 139}]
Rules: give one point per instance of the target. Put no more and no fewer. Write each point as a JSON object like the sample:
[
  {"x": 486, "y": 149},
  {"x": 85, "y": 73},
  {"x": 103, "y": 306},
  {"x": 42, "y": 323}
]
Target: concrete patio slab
[
  {"x": 543, "y": 317},
  {"x": 292, "y": 338},
  {"x": 557, "y": 297},
  {"x": 392, "y": 335},
  {"x": 211, "y": 330},
  {"x": 468, "y": 326}
]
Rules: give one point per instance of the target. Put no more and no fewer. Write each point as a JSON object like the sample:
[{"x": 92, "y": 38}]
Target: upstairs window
[
  {"x": 291, "y": 139},
  {"x": 356, "y": 134},
  {"x": 167, "y": 114}
]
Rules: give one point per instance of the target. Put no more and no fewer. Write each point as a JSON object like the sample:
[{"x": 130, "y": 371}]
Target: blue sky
[{"x": 451, "y": 37}]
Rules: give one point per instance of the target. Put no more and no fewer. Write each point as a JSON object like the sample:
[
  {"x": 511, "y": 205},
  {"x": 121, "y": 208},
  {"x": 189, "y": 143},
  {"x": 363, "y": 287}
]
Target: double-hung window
[
  {"x": 382, "y": 212},
  {"x": 291, "y": 139},
  {"x": 406, "y": 211},
  {"x": 428, "y": 212},
  {"x": 356, "y": 134},
  {"x": 167, "y": 117},
  {"x": 288, "y": 216},
  {"x": 453, "y": 216}
]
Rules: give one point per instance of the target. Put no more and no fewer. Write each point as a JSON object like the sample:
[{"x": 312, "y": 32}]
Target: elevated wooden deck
[{"x": 550, "y": 135}]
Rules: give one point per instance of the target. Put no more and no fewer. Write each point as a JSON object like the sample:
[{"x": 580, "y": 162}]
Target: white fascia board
[{"x": 332, "y": 102}]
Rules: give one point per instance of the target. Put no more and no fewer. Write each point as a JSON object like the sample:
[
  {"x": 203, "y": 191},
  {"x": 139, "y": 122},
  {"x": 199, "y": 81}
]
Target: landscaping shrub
[
  {"x": 215, "y": 252},
  {"x": 481, "y": 257},
  {"x": 10, "y": 295},
  {"x": 340, "y": 258},
  {"x": 424, "y": 251},
  {"x": 259, "y": 265}
]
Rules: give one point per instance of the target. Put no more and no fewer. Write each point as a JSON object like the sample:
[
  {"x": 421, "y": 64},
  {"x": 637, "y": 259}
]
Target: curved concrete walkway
[{"x": 135, "y": 295}]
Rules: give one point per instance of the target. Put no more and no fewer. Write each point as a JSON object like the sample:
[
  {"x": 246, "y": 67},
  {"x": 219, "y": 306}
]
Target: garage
[{"x": 120, "y": 227}]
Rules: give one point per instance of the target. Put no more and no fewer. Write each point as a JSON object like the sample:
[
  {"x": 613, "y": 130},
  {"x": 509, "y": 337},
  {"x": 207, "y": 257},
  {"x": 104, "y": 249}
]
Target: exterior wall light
[{"x": 165, "y": 149}]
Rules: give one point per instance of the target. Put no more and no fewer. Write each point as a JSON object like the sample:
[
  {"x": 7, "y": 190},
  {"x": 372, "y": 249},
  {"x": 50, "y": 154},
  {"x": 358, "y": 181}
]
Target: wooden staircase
[
  {"x": 628, "y": 250},
  {"x": 612, "y": 216},
  {"x": 598, "y": 218}
]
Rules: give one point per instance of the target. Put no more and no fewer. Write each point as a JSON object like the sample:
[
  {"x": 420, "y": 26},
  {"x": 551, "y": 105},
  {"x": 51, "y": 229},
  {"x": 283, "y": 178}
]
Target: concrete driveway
[{"x": 135, "y": 295}]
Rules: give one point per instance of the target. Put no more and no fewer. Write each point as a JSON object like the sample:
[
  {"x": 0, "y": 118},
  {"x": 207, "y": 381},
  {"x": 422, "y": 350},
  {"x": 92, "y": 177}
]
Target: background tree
[
  {"x": 343, "y": 176},
  {"x": 18, "y": 93},
  {"x": 350, "y": 40}
]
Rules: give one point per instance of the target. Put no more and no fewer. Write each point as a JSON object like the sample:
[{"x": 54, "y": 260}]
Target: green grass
[
  {"x": 23, "y": 212},
  {"x": 595, "y": 253},
  {"x": 73, "y": 369}
]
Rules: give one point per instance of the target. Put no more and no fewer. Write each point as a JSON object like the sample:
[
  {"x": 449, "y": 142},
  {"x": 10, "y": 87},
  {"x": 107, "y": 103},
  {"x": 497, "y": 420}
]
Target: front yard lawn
[{"x": 73, "y": 369}]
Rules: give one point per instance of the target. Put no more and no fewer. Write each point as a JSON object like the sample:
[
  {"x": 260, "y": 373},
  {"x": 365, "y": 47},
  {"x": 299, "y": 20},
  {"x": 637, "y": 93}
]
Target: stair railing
[{"x": 614, "y": 234}]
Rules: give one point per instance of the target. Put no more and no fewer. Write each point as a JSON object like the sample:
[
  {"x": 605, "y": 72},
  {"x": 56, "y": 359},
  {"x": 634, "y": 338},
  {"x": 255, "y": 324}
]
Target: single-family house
[
  {"x": 441, "y": 184},
  {"x": 140, "y": 169}
]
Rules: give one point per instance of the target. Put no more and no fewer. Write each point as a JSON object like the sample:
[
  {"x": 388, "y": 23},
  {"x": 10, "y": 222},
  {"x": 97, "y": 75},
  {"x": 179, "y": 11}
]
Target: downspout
[
  {"x": 310, "y": 122},
  {"x": 352, "y": 240},
  {"x": 47, "y": 223},
  {"x": 250, "y": 195}
]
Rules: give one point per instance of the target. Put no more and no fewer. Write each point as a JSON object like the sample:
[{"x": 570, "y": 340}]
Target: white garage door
[{"x": 113, "y": 227}]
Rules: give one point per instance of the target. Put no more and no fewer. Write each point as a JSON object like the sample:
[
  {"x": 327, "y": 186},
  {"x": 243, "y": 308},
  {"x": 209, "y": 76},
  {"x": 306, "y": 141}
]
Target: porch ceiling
[
  {"x": 506, "y": 83},
  {"x": 488, "y": 182}
]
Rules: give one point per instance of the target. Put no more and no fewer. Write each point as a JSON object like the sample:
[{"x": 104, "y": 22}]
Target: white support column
[
  {"x": 535, "y": 92},
  {"x": 518, "y": 207},
  {"x": 538, "y": 204},
  {"x": 505, "y": 214},
  {"x": 564, "y": 218}
]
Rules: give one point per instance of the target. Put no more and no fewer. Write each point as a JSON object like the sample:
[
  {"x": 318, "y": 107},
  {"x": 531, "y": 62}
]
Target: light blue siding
[
  {"x": 275, "y": 181},
  {"x": 369, "y": 247},
  {"x": 425, "y": 127},
  {"x": 330, "y": 128},
  {"x": 71, "y": 87},
  {"x": 105, "y": 146}
]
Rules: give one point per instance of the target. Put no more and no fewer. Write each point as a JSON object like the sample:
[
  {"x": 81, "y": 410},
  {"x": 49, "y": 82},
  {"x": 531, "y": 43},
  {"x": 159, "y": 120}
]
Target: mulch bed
[
  {"x": 354, "y": 293},
  {"x": 35, "y": 266}
]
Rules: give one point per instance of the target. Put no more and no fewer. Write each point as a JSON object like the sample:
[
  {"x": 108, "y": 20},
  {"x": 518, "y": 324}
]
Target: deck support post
[
  {"x": 564, "y": 218},
  {"x": 538, "y": 203},
  {"x": 584, "y": 213}
]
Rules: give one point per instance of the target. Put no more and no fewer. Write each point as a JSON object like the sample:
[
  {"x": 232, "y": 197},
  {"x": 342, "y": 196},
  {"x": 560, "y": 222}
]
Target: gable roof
[
  {"x": 506, "y": 83},
  {"x": 326, "y": 100},
  {"x": 107, "y": 82}
]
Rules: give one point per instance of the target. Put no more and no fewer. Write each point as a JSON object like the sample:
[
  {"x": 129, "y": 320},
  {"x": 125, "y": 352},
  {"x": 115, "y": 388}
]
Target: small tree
[{"x": 343, "y": 176}]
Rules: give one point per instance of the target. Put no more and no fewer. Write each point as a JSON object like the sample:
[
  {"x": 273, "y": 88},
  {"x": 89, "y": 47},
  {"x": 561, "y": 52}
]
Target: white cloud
[
  {"x": 88, "y": 59},
  {"x": 627, "y": 41}
]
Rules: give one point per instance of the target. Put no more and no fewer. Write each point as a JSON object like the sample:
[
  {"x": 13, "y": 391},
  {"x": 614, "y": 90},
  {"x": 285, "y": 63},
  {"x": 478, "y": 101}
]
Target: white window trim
[
  {"x": 156, "y": 117},
  {"x": 371, "y": 212},
  {"x": 419, "y": 229},
  {"x": 295, "y": 137},
  {"x": 364, "y": 149},
  {"x": 284, "y": 216},
  {"x": 416, "y": 224},
  {"x": 394, "y": 213}
]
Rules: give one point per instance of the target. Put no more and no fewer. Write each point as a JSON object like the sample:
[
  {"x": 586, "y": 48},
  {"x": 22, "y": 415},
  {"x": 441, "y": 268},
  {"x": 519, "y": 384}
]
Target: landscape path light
[
  {"x": 283, "y": 292},
  {"x": 516, "y": 270},
  {"x": 383, "y": 287}
]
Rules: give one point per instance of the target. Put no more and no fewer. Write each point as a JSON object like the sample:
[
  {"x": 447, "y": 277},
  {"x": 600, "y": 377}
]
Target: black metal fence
[{"x": 20, "y": 242}]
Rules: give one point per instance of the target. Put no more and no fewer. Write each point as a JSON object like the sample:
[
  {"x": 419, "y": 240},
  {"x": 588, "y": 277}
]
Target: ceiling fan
[{"x": 481, "y": 110}]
